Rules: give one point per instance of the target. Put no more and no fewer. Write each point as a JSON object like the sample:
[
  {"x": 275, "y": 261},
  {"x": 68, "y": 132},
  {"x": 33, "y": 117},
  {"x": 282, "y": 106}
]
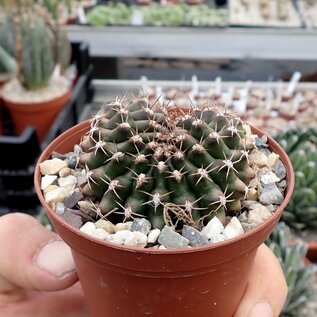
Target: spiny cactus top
[
  {"x": 301, "y": 211},
  {"x": 166, "y": 165}
]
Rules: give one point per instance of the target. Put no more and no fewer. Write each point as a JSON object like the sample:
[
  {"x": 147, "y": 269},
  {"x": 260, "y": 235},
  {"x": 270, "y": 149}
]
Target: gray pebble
[
  {"x": 60, "y": 208},
  {"x": 261, "y": 142},
  {"x": 58, "y": 155},
  {"x": 279, "y": 169},
  {"x": 194, "y": 236},
  {"x": 78, "y": 212},
  {"x": 243, "y": 217},
  {"x": 270, "y": 194},
  {"x": 72, "y": 219},
  {"x": 282, "y": 184},
  {"x": 72, "y": 161},
  {"x": 272, "y": 208},
  {"x": 170, "y": 239},
  {"x": 247, "y": 203},
  {"x": 265, "y": 151},
  {"x": 141, "y": 225},
  {"x": 73, "y": 199}
]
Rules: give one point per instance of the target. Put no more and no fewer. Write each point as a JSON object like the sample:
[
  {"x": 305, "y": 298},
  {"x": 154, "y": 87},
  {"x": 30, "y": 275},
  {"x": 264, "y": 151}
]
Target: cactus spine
[{"x": 165, "y": 165}]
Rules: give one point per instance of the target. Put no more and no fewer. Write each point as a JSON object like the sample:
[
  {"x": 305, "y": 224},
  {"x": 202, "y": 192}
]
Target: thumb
[
  {"x": 267, "y": 290},
  {"x": 32, "y": 257}
]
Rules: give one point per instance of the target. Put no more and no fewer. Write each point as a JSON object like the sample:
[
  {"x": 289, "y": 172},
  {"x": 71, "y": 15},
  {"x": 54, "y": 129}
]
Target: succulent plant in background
[
  {"x": 156, "y": 14},
  {"x": 60, "y": 10},
  {"x": 41, "y": 48},
  {"x": 301, "y": 212},
  {"x": 299, "y": 277},
  {"x": 38, "y": 46},
  {"x": 8, "y": 66},
  {"x": 169, "y": 166}
]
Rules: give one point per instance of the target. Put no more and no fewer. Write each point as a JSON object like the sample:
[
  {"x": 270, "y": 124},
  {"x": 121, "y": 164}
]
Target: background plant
[
  {"x": 8, "y": 64},
  {"x": 299, "y": 277},
  {"x": 35, "y": 40},
  {"x": 301, "y": 211}
]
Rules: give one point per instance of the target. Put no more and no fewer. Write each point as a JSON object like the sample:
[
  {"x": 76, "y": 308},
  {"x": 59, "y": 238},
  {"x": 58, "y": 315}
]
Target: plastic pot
[
  {"x": 312, "y": 251},
  {"x": 40, "y": 114},
  {"x": 120, "y": 281}
]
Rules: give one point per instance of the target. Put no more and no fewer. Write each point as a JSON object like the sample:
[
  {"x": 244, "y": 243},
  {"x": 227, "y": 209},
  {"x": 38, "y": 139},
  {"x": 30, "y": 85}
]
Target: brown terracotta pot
[
  {"x": 1, "y": 105},
  {"x": 1, "y": 129},
  {"x": 120, "y": 281},
  {"x": 2, "y": 82},
  {"x": 312, "y": 252},
  {"x": 40, "y": 115}
]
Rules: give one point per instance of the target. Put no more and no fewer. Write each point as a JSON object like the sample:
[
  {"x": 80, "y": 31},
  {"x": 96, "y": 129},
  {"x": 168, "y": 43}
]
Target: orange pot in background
[{"x": 40, "y": 115}]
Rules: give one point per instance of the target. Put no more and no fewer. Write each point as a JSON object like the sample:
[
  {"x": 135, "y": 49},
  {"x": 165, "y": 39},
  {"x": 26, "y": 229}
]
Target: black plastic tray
[{"x": 18, "y": 154}]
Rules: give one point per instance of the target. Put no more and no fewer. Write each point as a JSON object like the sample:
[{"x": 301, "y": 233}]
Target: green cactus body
[
  {"x": 37, "y": 52},
  {"x": 143, "y": 160},
  {"x": 301, "y": 212},
  {"x": 36, "y": 44},
  {"x": 7, "y": 63},
  {"x": 282, "y": 9},
  {"x": 63, "y": 49}
]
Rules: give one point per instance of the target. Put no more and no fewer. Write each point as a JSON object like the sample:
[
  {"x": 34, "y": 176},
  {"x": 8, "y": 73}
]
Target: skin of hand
[{"x": 38, "y": 277}]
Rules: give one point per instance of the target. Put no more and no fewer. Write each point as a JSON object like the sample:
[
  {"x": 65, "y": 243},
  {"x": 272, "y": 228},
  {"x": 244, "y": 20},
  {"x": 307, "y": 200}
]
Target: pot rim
[
  {"x": 32, "y": 104},
  {"x": 83, "y": 126}
]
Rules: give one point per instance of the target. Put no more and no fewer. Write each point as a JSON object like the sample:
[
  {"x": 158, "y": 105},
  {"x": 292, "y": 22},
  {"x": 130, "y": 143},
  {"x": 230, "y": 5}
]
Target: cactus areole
[{"x": 172, "y": 166}]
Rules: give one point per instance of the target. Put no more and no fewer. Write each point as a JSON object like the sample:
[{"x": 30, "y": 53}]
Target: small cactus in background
[
  {"x": 8, "y": 64},
  {"x": 301, "y": 211},
  {"x": 59, "y": 10},
  {"x": 299, "y": 277},
  {"x": 36, "y": 42},
  {"x": 282, "y": 9},
  {"x": 169, "y": 166}
]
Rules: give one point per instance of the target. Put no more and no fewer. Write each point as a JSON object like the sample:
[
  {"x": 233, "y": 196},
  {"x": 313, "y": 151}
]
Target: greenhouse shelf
[{"x": 200, "y": 43}]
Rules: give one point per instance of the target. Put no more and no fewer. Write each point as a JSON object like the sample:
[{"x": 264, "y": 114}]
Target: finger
[
  {"x": 66, "y": 303},
  {"x": 267, "y": 290},
  {"x": 32, "y": 257}
]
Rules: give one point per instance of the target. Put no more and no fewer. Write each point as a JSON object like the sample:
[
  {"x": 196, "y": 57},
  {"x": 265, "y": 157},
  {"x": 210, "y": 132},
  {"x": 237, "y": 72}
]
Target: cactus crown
[
  {"x": 165, "y": 164},
  {"x": 37, "y": 43},
  {"x": 301, "y": 211}
]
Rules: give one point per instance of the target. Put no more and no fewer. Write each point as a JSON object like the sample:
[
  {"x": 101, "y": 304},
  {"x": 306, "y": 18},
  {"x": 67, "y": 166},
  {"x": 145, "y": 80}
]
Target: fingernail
[
  {"x": 56, "y": 258},
  {"x": 261, "y": 310}
]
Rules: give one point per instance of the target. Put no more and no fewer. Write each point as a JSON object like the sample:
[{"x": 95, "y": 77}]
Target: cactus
[
  {"x": 299, "y": 277},
  {"x": 37, "y": 44},
  {"x": 59, "y": 10},
  {"x": 282, "y": 9},
  {"x": 7, "y": 63},
  {"x": 301, "y": 211},
  {"x": 169, "y": 166}
]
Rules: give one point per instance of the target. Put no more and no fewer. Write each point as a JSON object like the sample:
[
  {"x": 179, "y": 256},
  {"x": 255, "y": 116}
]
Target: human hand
[
  {"x": 266, "y": 290},
  {"x": 38, "y": 279},
  {"x": 37, "y": 272}
]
